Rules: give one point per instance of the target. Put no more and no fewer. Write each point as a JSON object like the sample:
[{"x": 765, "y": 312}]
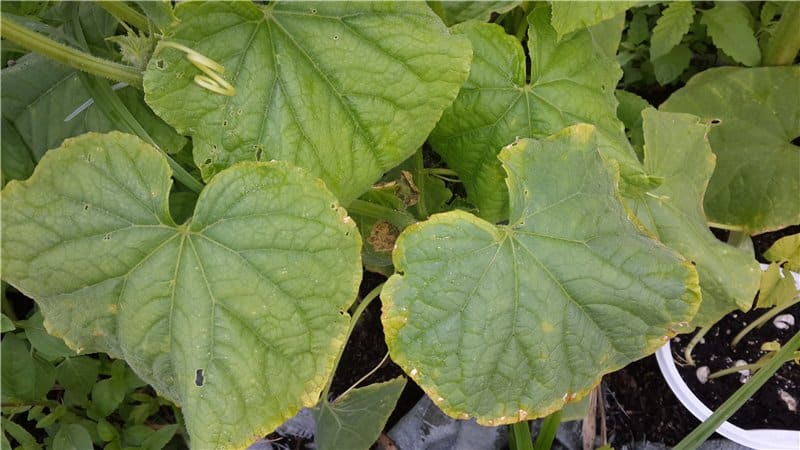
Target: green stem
[
  {"x": 763, "y": 319},
  {"x": 400, "y": 219},
  {"x": 687, "y": 352},
  {"x": 419, "y": 180},
  {"x": 373, "y": 294},
  {"x": 521, "y": 436},
  {"x": 783, "y": 46},
  {"x": 441, "y": 171},
  {"x": 544, "y": 441},
  {"x": 125, "y": 13},
  {"x": 707, "y": 428},
  {"x": 63, "y": 54}
]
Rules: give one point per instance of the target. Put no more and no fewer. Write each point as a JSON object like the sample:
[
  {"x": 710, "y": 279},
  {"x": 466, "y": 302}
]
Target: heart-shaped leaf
[
  {"x": 237, "y": 314},
  {"x": 677, "y": 151},
  {"x": 346, "y": 90},
  {"x": 571, "y": 81},
  {"x": 504, "y": 323},
  {"x": 755, "y": 186}
]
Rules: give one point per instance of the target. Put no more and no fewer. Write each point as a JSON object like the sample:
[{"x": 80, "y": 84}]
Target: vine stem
[
  {"x": 763, "y": 319},
  {"x": 400, "y": 219},
  {"x": 124, "y": 13},
  {"x": 687, "y": 352},
  {"x": 783, "y": 46},
  {"x": 373, "y": 294},
  {"x": 69, "y": 56}
]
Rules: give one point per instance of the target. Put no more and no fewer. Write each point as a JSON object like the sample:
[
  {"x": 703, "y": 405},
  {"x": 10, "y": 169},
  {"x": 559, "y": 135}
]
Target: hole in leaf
[
  {"x": 796, "y": 141},
  {"x": 258, "y": 154},
  {"x": 85, "y": 207},
  {"x": 207, "y": 161},
  {"x": 716, "y": 121},
  {"x": 107, "y": 237},
  {"x": 335, "y": 37},
  {"x": 224, "y": 123},
  {"x": 313, "y": 10},
  {"x": 161, "y": 64},
  {"x": 198, "y": 377}
]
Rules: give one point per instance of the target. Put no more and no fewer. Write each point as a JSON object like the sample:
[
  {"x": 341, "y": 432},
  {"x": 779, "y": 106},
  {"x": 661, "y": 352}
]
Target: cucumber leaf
[
  {"x": 755, "y": 185},
  {"x": 236, "y": 315},
  {"x": 571, "y": 81},
  {"x": 507, "y": 323},
  {"x": 677, "y": 150},
  {"x": 344, "y": 90}
]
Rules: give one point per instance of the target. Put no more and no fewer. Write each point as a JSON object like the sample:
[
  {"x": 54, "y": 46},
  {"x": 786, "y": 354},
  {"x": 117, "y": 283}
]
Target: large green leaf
[
  {"x": 236, "y": 315},
  {"x": 355, "y": 420},
  {"x": 755, "y": 186},
  {"x": 572, "y": 16},
  {"x": 345, "y": 90},
  {"x": 504, "y": 323},
  {"x": 677, "y": 151},
  {"x": 571, "y": 81}
]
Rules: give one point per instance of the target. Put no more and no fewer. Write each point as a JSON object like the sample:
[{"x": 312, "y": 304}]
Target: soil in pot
[{"x": 775, "y": 405}]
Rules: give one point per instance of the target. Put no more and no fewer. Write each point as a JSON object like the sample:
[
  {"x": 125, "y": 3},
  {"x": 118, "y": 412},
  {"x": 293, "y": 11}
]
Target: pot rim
[{"x": 766, "y": 439}]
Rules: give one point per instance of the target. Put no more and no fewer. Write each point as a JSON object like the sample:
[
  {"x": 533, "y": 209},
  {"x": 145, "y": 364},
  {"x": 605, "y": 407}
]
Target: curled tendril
[{"x": 212, "y": 70}]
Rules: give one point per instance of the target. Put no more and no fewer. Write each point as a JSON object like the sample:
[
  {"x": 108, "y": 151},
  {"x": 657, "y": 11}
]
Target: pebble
[
  {"x": 702, "y": 373},
  {"x": 791, "y": 402},
  {"x": 783, "y": 322}
]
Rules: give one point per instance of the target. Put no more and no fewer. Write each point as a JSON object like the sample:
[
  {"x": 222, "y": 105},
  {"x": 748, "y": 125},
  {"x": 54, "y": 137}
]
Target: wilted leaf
[
  {"x": 677, "y": 151},
  {"x": 786, "y": 249}
]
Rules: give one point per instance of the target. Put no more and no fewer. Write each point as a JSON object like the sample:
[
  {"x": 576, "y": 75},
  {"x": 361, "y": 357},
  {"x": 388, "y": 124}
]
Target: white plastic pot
[{"x": 765, "y": 439}]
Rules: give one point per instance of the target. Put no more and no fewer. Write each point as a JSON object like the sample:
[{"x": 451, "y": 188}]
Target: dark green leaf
[
  {"x": 78, "y": 374},
  {"x": 6, "y": 324},
  {"x": 106, "y": 431},
  {"x": 355, "y": 420},
  {"x": 453, "y": 12},
  {"x": 48, "y": 347},
  {"x": 160, "y": 438},
  {"x": 106, "y": 397},
  {"x": 72, "y": 437},
  {"x": 20, "y": 434},
  {"x": 629, "y": 112},
  {"x": 670, "y": 66},
  {"x": 24, "y": 378},
  {"x": 15, "y": 156},
  {"x": 673, "y": 24}
]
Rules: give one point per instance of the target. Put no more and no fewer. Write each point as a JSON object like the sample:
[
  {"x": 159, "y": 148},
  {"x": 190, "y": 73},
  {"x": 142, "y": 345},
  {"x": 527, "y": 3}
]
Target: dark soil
[{"x": 766, "y": 409}]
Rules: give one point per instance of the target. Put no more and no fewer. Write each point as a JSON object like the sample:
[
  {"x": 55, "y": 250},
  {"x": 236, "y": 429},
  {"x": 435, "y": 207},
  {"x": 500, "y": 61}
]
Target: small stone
[
  {"x": 702, "y": 373},
  {"x": 791, "y": 402},
  {"x": 783, "y": 322}
]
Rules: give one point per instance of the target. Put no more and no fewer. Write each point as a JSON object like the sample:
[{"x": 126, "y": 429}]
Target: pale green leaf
[
  {"x": 72, "y": 436},
  {"x": 453, "y": 12},
  {"x": 572, "y": 16},
  {"x": 673, "y": 24},
  {"x": 20, "y": 434},
  {"x": 677, "y": 151},
  {"x": 731, "y": 29},
  {"x": 344, "y": 90},
  {"x": 160, "y": 438},
  {"x": 786, "y": 249},
  {"x": 236, "y": 315},
  {"x": 571, "y": 81},
  {"x": 671, "y": 65},
  {"x": 755, "y": 186},
  {"x": 355, "y": 420},
  {"x": 159, "y": 12},
  {"x": 776, "y": 289},
  {"x": 638, "y": 28},
  {"x": 507, "y": 323}
]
